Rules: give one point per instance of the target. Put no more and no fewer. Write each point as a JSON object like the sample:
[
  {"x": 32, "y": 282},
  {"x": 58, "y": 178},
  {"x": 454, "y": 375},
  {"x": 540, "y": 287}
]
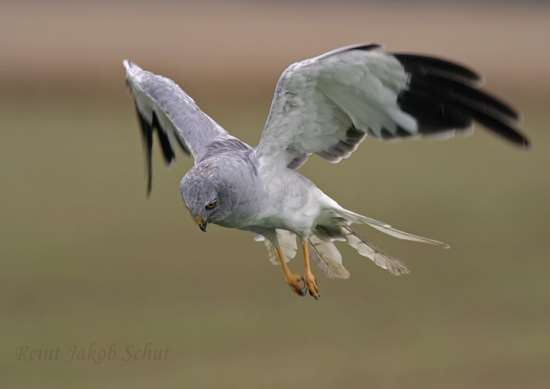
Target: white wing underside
[{"x": 326, "y": 105}]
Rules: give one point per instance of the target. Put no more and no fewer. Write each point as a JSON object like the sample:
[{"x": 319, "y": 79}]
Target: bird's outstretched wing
[
  {"x": 328, "y": 104},
  {"x": 163, "y": 107}
]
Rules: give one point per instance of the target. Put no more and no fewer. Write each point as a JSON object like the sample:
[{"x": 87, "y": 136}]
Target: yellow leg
[
  {"x": 308, "y": 274},
  {"x": 295, "y": 281}
]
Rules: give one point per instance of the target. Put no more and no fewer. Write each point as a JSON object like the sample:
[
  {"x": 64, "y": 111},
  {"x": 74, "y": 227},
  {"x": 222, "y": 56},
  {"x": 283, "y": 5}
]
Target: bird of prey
[{"x": 326, "y": 105}]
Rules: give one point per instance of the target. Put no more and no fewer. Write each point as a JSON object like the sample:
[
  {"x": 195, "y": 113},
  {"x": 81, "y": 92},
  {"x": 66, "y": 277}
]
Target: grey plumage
[{"x": 326, "y": 106}]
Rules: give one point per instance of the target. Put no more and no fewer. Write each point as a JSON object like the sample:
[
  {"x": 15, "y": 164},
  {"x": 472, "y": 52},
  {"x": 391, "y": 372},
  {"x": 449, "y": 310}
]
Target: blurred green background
[{"x": 89, "y": 262}]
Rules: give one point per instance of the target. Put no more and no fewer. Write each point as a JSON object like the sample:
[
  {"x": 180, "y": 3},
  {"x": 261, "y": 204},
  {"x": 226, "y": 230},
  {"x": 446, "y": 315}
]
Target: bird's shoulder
[{"x": 226, "y": 145}]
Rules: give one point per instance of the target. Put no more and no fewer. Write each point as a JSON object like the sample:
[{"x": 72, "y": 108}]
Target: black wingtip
[
  {"x": 164, "y": 141},
  {"x": 438, "y": 65},
  {"x": 442, "y": 96},
  {"x": 147, "y": 137},
  {"x": 149, "y": 187},
  {"x": 519, "y": 140}
]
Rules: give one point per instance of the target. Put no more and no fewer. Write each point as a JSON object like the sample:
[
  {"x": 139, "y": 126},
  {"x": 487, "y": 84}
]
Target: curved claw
[
  {"x": 299, "y": 286},
  {"x": 312, "y": 287}
]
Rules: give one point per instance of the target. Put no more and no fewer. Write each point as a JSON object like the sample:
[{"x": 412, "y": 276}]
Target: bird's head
[{"x": 206, "y": 195}]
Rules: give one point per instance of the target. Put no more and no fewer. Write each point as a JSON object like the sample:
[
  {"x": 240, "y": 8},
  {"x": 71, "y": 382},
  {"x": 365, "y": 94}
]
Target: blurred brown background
[{"x": 88, "y": 263}]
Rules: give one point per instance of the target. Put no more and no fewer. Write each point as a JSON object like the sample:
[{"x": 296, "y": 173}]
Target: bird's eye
[{"x": 211, "y": 205}]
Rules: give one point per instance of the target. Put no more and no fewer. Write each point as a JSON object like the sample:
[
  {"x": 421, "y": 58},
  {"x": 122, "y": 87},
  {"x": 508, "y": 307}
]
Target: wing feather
[
  {"x": 326, "y": 105},
  {"x": 163, "y": 107}
]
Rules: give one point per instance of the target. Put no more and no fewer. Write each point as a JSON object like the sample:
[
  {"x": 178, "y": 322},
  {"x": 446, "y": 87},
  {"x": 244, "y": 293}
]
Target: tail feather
[
  {"x": 365, "y": 249},
  {"x": 389, "y": 230}
]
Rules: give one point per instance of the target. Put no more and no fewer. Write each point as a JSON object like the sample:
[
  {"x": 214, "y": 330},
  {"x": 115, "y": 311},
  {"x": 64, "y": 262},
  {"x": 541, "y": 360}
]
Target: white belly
[{"x": 294, "y": 203}]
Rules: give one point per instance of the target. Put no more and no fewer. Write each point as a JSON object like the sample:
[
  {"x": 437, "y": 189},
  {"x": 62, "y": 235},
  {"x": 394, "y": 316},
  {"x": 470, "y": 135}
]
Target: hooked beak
[{"x": 201, "y": 223}]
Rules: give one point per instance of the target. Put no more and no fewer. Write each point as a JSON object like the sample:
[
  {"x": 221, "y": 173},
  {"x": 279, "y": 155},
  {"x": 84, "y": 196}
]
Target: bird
[{"x": 326, "y": 105}]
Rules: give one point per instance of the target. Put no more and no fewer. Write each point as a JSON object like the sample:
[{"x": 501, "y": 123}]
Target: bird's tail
[
  {"x": 338, "y": 228},
  {"x": 366, "y": 249},
  {"x": 355, "y": 218},
  {"x": 329, "y": 258}
]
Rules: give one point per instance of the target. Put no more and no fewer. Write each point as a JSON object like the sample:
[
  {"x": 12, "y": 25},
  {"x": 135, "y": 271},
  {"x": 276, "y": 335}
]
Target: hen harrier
[{"x": 327, "y": 106}]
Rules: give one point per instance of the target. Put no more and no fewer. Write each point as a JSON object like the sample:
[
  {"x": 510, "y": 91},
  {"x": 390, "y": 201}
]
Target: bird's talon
[
  {"x": 303, "y": 287},
  {"x": 298, "y": 285},
  {"x": 312, "y": 286}
]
